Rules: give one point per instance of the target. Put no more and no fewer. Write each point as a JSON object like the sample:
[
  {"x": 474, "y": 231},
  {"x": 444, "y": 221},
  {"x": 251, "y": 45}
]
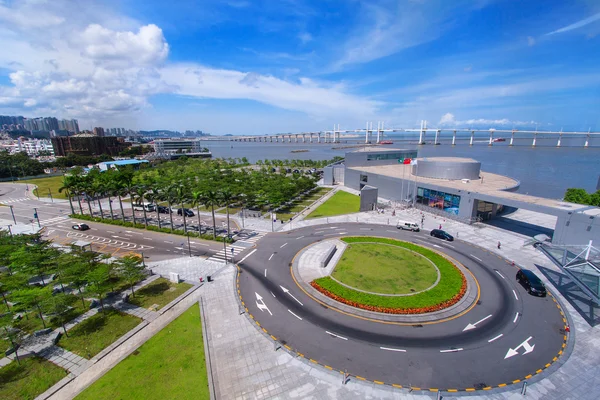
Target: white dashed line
[
  {"x": 477, "y": 258},
  {"x": 106, "y": 231},
  {"x": 265, "y": 272},
  {"x": 451, "y": 350},
  {"x": 273, "y": 294},
  {"x": 435, "y": 245},
  {"x": 502, "y": 276},
  {"x": 365, "y": 229},
  {"x": 283, "y": 245},
  {"x": 516, "y": 318},
  {"x": 392, "y": 232},
  {"x": 166, "y": 241},
  {"x": 449, "y": 245},
  {"x": 390, "y": 349},
  {"x": 516, "y": 297},
  {"x": 295, "y": 315},
  {"x": 299, "y": 237},
  {"x": 148, "y": 239},
  {"x": 497, "y": 337},
  {"x": 271, "y": 256},
  {"x": 337, "y": 336}
]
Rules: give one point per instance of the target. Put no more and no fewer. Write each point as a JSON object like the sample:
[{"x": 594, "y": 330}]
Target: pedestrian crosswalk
[
  {"x": 250, "y": 237},
  {"x": 52, "y": 221},
  {"x": 9, "y": 201},
  {"x": 231, "y": 251}
]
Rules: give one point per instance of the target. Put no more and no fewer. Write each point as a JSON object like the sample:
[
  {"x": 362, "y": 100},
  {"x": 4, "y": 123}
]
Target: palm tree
[
  {"x": 182, "y": 195},
  {"x": 211, "y": 198},
  {"x": 140, "y": 191},
  {"x": 154, "y": 196},
  {"x": 197, "y": 198},
  {"x": 68, "y": 184},
  {"x": 170, "y": 196},
  {"x": 109, "y": 178},
  {"x": 129, "y": 188},
  {"x": 98, "y": 189},
  {"x": 227, "y": 197}
]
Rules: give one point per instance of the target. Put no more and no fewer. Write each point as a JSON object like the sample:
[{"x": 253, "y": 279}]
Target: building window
[
  {"x": 447, "y": 202},
  {"x": 391, "y": 156}
]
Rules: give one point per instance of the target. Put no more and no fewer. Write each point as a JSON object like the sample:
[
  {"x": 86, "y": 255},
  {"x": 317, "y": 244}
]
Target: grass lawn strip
[
  {"x": 447, "y": 292},
  {"x": 96, "y": 333},
  {"x": 383, "y": 268},
  {"x": 29, "y": 379},
  {"x": 160, "y": 292},
  {"x": 338, "y": 204},
  {"x": 170, "y": 365},
  {"x": 52, "y": 182}
]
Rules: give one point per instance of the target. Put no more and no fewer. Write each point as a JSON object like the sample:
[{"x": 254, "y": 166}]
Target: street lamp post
[
  {"x": 50, "y": 194},
  {"x": 35, "y": 215},
  {"x": 13, "y": 214},
  {"x": 9, "y": 230},
  {"x": 225, "y": 249},
  {"x": 189, "y": 248}
]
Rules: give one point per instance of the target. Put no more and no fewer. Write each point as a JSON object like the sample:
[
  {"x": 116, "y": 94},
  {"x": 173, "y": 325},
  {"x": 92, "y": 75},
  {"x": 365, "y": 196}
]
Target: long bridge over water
[{"x": 377, "y": 135}]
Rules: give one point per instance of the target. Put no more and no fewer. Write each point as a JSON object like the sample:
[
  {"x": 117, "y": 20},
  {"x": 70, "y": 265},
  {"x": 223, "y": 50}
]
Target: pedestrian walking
[
  {"x": 440, "y": 226},
  {"x": 499, "y": 244}
]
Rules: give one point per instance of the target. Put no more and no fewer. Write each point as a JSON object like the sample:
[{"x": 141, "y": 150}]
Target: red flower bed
[{"x": 420, "y": 310}]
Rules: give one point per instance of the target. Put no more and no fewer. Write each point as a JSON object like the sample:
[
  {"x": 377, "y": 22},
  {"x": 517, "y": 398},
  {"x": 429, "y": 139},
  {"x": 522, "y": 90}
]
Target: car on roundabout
[
  {"x": 187, "y": 211},
  {"x": 440, "y": 234},
  {"x": 529, "y": 280},
  {"x": 81, "y": 227},
  {"x": 163, "y": 209}
]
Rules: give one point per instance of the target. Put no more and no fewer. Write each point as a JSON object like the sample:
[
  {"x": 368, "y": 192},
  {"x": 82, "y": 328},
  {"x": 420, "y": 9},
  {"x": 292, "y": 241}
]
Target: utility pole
[
  {"x": 50, "y": 194},
  {"x": 225, "y": 249},
  {"x": 35, "y": 215},
  {"x": 189, "y": 248},
  {"x": 13, "y": 214}
]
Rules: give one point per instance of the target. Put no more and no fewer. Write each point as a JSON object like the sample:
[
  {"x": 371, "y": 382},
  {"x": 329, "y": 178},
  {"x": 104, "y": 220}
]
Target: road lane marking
[
  {"x": 390, "y": 349},
  {"x": 295, "y": 315},
  {"x": 392, "y": 232},
  {"x": 451, "y": 350},
  {"x": 337, "y": 336},
  {"x": 516, "y": 317},
  {"x": 331, "y": 234},
  {"x": 283, "y": 245},
  {"x": 271, "y": 256},
  {"x": 273, "y": 294},
  {"x": 167, "y": 241},
  {"x": 365, "y": 229},
  {"x": 495, "y": 338},
  {"x": 498, "y": 272},
  {"x": 265, "y": 272},
  {"x": 435, "y": 245},
  {"x": 261, "y": 304},
  {"x": 299, "y": 237},
  {"x": 106, "y": 231},
  {"x": 474, "y": 325},
  {"x": 449, "y": 245},
  {"x": 477, "y": 258},
  {"x": 247, "y": 255},
  {"x": 288, "y": 292},
  {"x": 148, "y": 239},
  {"x": 515, "y": 293}
]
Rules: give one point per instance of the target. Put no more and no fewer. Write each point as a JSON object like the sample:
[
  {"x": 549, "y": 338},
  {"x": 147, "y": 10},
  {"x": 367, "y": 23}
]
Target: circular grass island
[{"x": 391, "y": 276}]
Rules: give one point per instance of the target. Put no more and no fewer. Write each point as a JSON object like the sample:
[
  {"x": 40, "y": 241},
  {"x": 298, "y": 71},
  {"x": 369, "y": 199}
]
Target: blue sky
[{"x": 253, "y": 67}]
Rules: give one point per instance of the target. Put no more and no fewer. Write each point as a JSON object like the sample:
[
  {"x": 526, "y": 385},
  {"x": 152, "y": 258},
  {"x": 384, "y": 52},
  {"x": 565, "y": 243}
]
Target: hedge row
[
  {"x": 449, "y": 290},
  {"x": 153, "y": 228}
]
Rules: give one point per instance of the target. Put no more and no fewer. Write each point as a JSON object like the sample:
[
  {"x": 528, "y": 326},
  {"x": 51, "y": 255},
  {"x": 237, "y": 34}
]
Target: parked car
[
  {"x": 164, "y": 210},
  {"x": 145, "y": 206},
  {"x": 188, "y": 212},
  {"x": 531, "y": 283},
  {"x": 81, "y": 227},
  {"x": 440, "y": 234},
  {"x": 408, "y": 226}
]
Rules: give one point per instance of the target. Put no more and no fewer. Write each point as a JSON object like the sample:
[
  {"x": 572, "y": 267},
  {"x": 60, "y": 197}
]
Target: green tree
[
  {"x": 227, "y": 197},
  {"x": 59, "y": 306},
  {"x": 33, "y": 297},
  {"x": 577, "y": 195},
  {"x": 98, "y": 282},
  {"x": 211, "y": 199},
  {"x": 131, "y": 268},
  {"x": 68, "y": 184},
  {"x": 196, "y": 199},
  {"x": 14, "y": 335}
]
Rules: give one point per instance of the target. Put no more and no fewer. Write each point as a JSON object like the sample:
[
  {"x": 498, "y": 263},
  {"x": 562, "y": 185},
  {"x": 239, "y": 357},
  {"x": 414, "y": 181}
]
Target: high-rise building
[
  {"x": 87, "y": 145},
  {"x": 99, "y": 131}
]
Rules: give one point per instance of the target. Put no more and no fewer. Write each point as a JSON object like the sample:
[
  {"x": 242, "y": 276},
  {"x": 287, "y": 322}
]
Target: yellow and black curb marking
[{"x": 413, "y": 388}]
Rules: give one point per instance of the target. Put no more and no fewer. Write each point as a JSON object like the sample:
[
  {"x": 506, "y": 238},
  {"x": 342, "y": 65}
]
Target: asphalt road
[
  {"x": 516, "y": 334},
  {"x": 106, "y": 238}
]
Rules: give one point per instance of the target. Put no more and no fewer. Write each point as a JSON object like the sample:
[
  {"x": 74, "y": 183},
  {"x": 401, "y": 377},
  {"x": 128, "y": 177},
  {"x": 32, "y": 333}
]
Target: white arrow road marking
[
  {"x": 516, "y": 317},
  {"x": 283, "y": 245},
  {"x": 495, "y": 338},
  {"x": 502, "y": 276},
  {"x": 451, "y": 350},
  {"x": 295, "y": 315},
  {"x": 247, "y": 255},
  {"x": 271, "y": 256},
  {"x": 513, "y": 352},
  {"x": 288, "y": 292},
  {"x": 337, "y": 336},
  {"x": 474, "y": 325},
  {"x": 477, "y": 258},
  {"x": 390, "y": 349},
  {"x": 261, "y": 306},
  {"x": 515, "y": 293}
]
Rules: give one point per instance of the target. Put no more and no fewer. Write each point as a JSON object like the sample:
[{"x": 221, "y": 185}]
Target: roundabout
[{"x": 496, "y": 334}]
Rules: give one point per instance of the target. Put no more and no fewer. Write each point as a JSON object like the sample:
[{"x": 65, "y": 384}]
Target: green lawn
[
  {"x": 160, "y": 292},
  {"x": 52, "y": 182},
  {"x": 382, "y": 268},
  {"x": 449, "y": 286},
  {"x": 4, "y": 345},
  {"x": 338, "y": 204},
  {"x": 34, "y": 323},
  {"x": 29, "y": 379},
  {"x": 94, "y": 334},
  {"x": 170, "y": 365},
  {"x": 232, "y": 211}
]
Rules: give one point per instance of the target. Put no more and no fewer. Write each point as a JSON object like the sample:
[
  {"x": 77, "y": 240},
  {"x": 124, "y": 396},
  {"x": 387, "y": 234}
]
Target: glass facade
[
  {"x": 392, "y": 156},
  {"x": 447, "y": 202}
]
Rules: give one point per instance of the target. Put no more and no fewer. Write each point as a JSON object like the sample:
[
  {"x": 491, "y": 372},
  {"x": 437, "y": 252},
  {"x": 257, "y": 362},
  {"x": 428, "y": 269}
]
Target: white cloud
[
  {"x": 576, "y": 25},
  {"x": 448, "y": 119},
  {"x": 530, "y": 41},
  {"x": 305, "y": 37}
]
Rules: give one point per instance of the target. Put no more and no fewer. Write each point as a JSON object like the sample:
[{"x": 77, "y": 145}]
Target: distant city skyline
[{"x": 264, "y": 67}]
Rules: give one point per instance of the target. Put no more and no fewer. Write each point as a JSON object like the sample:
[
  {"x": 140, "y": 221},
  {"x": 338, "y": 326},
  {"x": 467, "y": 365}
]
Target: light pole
[
  {"x": 189, "y": 248},
  {"x": 272, "y": 230},
  {"x": 225, "y": 249},
  {"x": 9, "y": 230},
  {"x": 13, "y": 214},
  {"x": 50, "y": 194},
  {"x": 35, "y": 215}
]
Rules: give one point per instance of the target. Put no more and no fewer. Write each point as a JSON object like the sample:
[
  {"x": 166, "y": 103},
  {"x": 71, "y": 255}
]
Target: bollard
[
  {"x": 439, "y": 395},
  {"x": 276, "y": 345},
  {"x": 241, "y": 309},
  {"x": 345, "y": 377},
  {"x": 524, "y": 388}
]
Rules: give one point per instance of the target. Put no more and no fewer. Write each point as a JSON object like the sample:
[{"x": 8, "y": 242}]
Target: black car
[
  {"x": 440, "y": 234},
  {"x": 188, "y": 212},
  {"x": 81, "y": 227},
  {"x": 164, "y": 210},
  {"x": 531, "y": 282}
]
